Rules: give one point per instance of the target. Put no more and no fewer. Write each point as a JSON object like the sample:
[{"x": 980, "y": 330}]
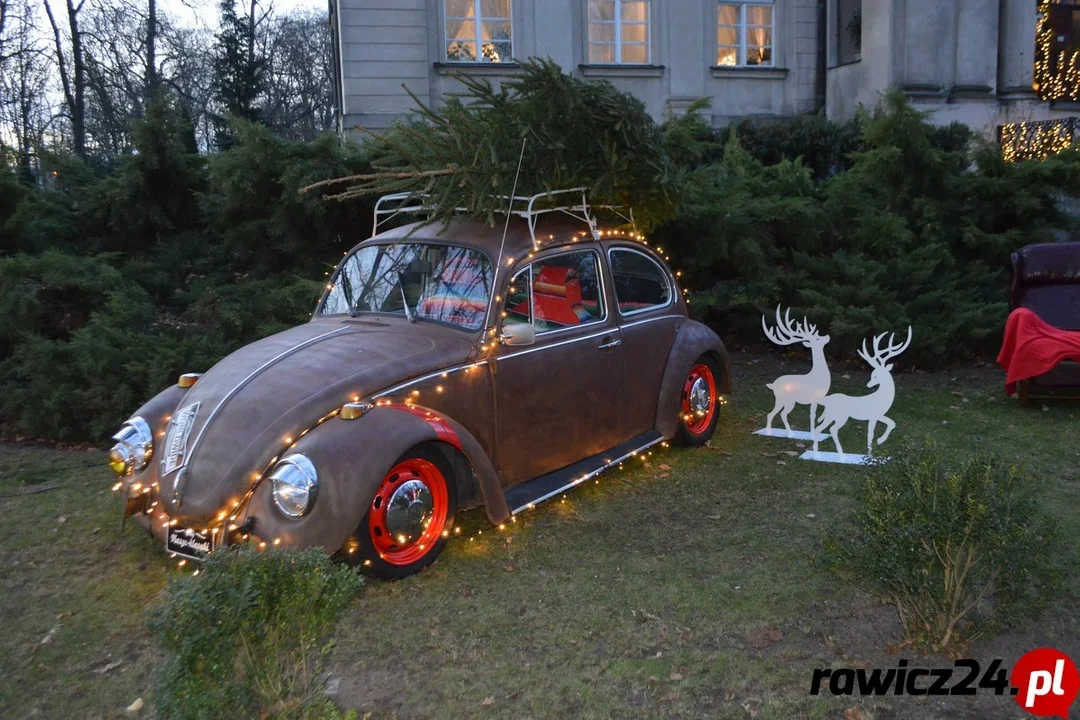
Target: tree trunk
[
  {"x": 74, "y": 87},
  {"x": 78, "y": 114},
  {"x": 151, "y": 57}
]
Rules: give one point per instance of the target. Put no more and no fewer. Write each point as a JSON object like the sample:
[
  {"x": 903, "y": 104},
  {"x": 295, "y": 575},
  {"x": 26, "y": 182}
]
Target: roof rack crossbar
[{"x": 390, "y": 206}]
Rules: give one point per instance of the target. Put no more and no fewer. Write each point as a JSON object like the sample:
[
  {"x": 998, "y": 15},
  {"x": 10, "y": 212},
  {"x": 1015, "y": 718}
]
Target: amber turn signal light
[
  {"x": 118, "y": 460},
  {"x": 353, "y": 410},
  {"x": 188, "y": 379}
]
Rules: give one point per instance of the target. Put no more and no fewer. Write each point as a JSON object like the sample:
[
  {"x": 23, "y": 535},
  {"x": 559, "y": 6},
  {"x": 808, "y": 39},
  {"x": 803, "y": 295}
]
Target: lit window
[
  {"x": 619, "y": 32},
  {"x": 478, "y": 31},
  {"x": 744, "y": 34}
]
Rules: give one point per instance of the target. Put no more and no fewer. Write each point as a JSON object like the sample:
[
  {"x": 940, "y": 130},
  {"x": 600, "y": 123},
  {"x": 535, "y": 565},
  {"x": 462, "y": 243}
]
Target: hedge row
[{"x": 112, "y": 283}]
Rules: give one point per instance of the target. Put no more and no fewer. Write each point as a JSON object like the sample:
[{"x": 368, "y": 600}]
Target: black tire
[
  {"x": 685, "y": 434},
  {"x": 370, "y": 556}
]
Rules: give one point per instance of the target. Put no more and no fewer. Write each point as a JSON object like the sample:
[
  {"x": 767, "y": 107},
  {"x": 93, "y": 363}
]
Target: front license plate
[{"x": 189, "y": 543}]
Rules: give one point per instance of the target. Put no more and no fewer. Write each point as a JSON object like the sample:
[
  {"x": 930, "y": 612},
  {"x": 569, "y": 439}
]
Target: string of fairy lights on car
[{"x": 227, "y": 522}]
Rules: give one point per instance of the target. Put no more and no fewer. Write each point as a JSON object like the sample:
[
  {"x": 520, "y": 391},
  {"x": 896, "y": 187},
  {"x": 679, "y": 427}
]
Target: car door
[
  {"x": 559, "y": 400},
  {"x": 644, "y": 299}
]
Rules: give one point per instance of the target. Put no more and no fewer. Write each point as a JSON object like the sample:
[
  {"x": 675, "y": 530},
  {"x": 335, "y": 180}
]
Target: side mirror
[{"x": 518, "y": 334}]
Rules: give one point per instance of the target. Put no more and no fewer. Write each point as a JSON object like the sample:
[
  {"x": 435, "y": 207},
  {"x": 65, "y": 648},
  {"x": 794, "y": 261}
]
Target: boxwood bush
[
  {"x": 959, "y": 546},
  {"x": 246, "y": 637}
]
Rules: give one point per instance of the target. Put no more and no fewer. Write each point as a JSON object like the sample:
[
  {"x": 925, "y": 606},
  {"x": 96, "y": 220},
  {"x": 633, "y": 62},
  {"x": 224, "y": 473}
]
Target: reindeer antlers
[
  {"x": 784, "y": 333},
  {"x": 882, "y": 356}
]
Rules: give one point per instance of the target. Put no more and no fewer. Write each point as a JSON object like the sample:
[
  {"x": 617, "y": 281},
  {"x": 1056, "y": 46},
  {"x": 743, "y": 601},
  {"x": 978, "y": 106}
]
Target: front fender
[
  {"x": 351, "y": 457},
  {"x": 692, "y": 340}
]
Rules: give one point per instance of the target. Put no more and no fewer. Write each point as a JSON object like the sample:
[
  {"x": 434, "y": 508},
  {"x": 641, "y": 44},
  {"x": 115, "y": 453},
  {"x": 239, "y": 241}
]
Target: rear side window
[{"x": 640, "y": 282}]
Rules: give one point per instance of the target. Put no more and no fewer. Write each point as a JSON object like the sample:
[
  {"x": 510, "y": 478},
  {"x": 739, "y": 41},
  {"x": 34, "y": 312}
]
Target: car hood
[{"x": 249, "y": 407}]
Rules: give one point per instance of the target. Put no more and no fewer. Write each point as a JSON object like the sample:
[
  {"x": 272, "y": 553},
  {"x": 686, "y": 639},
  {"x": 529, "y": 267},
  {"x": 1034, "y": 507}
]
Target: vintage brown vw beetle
[{"x": 444, "y": 367}]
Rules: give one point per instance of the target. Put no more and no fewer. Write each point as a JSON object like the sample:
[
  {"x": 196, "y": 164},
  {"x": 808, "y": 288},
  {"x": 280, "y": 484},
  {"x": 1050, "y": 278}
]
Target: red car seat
[{"x": 556, "y": 297}]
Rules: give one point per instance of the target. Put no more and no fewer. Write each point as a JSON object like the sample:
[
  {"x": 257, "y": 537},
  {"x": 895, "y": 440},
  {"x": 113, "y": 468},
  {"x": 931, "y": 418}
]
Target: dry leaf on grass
[
  {"x": 857, "y": 713},
  {"x": 763, "y": 637},
  {"x": 489, "y": 700},
  {"x": 109, "y": 666}
]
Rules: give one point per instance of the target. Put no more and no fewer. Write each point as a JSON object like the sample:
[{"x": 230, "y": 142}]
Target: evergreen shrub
[
  {"x": 960, "y": 547},
  {"x": 247, "y": 636}
]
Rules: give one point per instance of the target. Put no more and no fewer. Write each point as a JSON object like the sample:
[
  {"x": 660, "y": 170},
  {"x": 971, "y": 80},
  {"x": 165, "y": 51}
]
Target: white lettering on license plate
[{"x": 188, "y": 543}]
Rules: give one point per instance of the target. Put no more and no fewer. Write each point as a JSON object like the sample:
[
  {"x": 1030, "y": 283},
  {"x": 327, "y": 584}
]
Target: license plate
[{"x": 189, "y": 543}]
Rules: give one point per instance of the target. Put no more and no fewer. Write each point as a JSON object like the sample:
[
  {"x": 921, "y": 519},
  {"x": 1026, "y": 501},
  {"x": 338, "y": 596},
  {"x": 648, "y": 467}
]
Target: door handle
[{"x": 609, "y": 345}]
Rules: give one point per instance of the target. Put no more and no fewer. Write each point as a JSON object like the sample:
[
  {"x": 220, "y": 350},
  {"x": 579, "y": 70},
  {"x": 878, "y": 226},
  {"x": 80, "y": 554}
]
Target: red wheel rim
[
  {"x": 409, "y": 512},
  {"x": 696, "y": 417}
]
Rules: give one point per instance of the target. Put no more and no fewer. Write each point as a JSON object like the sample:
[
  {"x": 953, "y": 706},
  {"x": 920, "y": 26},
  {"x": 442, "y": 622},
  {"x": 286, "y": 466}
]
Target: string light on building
[{"x": 1056, "y": 76}]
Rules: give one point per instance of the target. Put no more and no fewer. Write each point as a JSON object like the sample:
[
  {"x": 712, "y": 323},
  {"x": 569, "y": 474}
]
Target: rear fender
[
  {"x": 351, "y": 457},
  {"x": 692, "y": 340}
]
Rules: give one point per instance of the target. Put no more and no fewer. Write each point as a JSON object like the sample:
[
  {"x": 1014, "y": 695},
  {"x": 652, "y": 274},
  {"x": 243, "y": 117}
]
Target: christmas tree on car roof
[{"x": 565, "y": 132}]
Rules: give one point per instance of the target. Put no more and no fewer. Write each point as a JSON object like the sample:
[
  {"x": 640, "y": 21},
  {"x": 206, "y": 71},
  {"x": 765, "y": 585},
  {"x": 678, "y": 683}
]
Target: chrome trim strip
[
  {"x": 583, "y": 478},
  {"x": 422, "y": 378},
  {"x": 649, "y": 320},
  {"x": 564, "y": 342},
  {"x": 281, "y": 356}
]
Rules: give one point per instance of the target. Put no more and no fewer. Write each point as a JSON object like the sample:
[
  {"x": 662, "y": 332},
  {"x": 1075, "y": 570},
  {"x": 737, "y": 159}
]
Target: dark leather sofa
[{"x": 1046, "y": 280}]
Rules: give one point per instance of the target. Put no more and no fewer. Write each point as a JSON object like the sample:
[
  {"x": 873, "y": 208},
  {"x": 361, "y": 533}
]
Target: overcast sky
[
  {"x": 201, "y": 13},
  {"x": 204, "y": 13}
]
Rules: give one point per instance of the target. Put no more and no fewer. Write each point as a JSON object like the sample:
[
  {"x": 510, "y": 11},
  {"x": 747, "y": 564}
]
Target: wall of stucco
[
  {"x": 964, "y": 60},
  {"x": 387, "y": 43}
]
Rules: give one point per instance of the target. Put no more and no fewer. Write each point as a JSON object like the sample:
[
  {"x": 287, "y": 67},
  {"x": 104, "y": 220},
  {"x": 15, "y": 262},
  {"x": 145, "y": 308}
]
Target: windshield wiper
[{"x": 405, "y": 300}]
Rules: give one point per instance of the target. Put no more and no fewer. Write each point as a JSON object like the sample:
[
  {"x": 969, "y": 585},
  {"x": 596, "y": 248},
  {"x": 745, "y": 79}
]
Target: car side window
[
  {"x": 640, "y": 282},
  {"x": 519, "y": 298},
  {"x": 566, "y": 291}
]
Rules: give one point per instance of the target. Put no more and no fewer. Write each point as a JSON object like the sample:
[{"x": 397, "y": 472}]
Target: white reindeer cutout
[
  {"x": 840, "y": 408},
  {"x": 791, "y": 390}
]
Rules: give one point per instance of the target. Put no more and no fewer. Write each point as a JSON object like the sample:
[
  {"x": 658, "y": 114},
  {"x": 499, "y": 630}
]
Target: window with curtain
[
  {"x": 619, "y": 32},
  {"x": 745, "y": 34},
  {"x": 478, "y": 31}
]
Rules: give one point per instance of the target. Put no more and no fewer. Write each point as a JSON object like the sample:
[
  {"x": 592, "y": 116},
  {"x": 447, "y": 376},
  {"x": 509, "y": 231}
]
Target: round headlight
[
  {"x": 295, "y": 484},
  {"x": 134, "y": 447}
]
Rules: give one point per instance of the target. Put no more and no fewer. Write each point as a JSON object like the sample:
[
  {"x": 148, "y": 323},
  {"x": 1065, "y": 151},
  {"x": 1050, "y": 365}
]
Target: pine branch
[{"x": 465, "y": 154}]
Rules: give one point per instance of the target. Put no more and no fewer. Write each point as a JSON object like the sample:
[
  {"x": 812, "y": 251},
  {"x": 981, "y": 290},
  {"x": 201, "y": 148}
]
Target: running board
[{"x": 528, "y": 494}]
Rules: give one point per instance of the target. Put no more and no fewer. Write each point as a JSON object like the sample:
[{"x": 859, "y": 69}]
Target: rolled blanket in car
[{"x": 1032, "y": 347}]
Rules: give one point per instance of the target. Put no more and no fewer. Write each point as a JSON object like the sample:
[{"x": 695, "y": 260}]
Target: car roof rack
[{"x": 529, "y": 207}]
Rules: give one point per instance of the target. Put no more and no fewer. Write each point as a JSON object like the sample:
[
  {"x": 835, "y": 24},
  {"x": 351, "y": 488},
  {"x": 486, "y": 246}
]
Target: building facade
[
  {"x": 987, "y": 63},
  {"x": 759, "y": 58}
]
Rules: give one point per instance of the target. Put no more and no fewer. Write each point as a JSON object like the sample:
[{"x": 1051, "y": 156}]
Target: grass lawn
[{"x": 690, "y": 586}]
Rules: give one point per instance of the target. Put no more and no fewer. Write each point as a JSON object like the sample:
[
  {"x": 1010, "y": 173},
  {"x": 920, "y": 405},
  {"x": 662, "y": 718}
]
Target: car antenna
[{"x": 506, "y": 226}]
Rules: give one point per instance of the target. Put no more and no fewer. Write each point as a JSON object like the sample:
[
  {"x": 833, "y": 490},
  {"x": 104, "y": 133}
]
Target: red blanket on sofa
[{"x": 1032, "y": 347}]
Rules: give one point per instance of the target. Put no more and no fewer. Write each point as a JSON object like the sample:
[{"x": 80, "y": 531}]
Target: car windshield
[{"x": 444, "y": 283}]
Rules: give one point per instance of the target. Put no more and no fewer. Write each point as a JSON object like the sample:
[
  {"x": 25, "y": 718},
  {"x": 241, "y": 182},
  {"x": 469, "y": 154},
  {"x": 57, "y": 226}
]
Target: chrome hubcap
[
  {"x": 409, "y": 511},
  {"x": 699, "y": 397}
]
